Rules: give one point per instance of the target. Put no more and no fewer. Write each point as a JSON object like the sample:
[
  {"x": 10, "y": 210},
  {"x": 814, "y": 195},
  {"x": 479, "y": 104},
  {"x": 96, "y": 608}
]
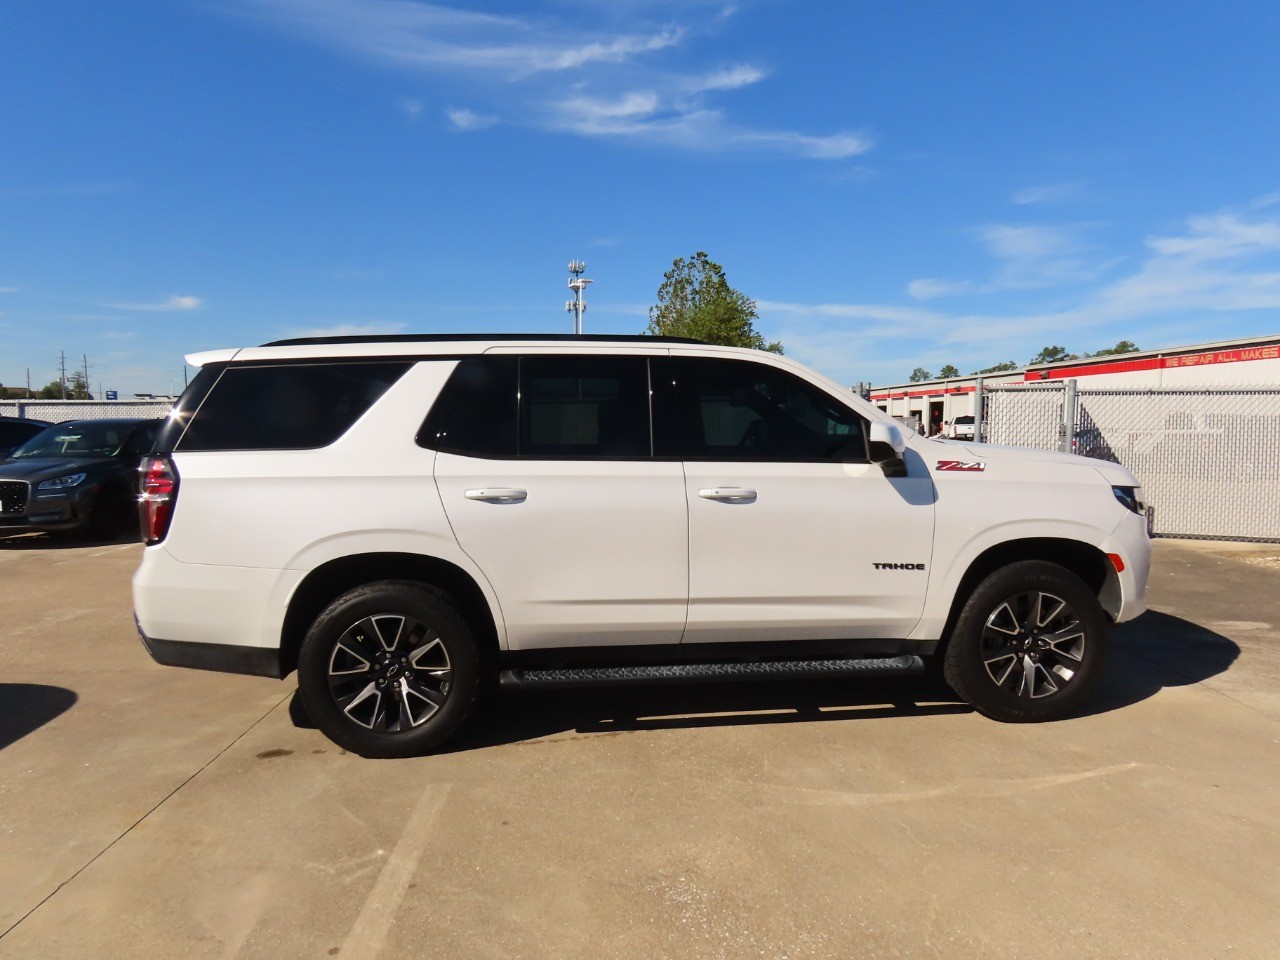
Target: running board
[{"x": 561, "y": 677}]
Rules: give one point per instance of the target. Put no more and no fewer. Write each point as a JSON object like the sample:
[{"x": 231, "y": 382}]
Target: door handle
[
  {"x": 498, "y": 495},
  {"x": 728, "y": 494}
]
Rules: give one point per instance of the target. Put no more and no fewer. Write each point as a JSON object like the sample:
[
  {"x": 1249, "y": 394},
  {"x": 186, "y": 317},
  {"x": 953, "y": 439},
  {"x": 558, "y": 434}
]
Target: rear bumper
[{"x": 220, "y": 657}]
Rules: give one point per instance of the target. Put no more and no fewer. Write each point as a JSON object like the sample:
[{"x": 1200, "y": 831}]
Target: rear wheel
[
  {"x": 1029, "y": 644},
  {"x": 390, "y": 669}
]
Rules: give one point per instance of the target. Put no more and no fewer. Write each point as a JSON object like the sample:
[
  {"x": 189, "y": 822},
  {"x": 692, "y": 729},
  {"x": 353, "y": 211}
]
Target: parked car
[
  {"x": 397, "y": 518},
  {"x": 961, "y": 427},
  {"x": 15, "y": 431},
  {"x": 76, "y": 477}
]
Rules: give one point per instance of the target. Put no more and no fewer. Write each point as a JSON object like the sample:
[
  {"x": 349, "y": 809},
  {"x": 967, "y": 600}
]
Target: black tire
[
  {"x": 111, "y": 511},
  {"x": 389, "y": 669},
  {"x": 1029, "y": 645}
]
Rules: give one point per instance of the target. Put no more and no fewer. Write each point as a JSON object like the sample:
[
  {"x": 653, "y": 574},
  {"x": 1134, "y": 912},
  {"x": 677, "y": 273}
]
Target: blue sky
[{"x": 895, "y": 184}]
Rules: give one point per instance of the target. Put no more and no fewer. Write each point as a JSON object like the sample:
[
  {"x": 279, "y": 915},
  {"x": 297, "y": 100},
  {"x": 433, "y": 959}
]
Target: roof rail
[{"x": 473, "y": 337}]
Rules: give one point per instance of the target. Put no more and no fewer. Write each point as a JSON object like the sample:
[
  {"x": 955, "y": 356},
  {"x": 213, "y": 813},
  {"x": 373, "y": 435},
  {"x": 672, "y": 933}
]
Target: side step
[{"x": 556, "y": 678}]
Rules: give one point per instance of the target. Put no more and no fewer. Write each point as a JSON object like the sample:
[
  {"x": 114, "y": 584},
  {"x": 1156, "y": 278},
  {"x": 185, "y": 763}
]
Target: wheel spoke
[
  {"x": 1009, "y": 616},
  {"x": 1044, "y": 619},
  {"x": 388, "y": 628},
  {"x": 348, "y": 659},
  {"x": 1000, "y": 663},
  {"x": 359, "y": 710},
  {"x": 431, "y": 658},
  {"x": 418, "y": 703},
  {"x": 1036, "y": 681},
  {"x": 1068, "y": 642}
]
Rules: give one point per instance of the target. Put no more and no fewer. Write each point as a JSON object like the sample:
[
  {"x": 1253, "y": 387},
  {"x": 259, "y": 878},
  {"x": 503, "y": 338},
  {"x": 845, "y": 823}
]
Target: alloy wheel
[
  {"x": 1033, "y": 644},
  {"x": 389, "y": 673}
]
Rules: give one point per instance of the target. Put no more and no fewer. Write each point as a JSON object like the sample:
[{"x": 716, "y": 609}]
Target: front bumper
[{"x": 51, "y": 512}]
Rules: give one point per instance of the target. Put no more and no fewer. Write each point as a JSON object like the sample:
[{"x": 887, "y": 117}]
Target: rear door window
[{"x": 544, "y": 408}]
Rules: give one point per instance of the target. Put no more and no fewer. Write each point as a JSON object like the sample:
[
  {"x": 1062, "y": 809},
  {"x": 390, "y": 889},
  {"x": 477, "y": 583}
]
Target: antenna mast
[{"x": 577, "y": 306}]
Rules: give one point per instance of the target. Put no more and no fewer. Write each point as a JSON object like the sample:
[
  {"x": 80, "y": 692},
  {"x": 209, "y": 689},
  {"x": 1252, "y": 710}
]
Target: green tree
[
  {"x": 918, "y": 374},
  {"x": 1052, "y": 355},
  {"x": 1124, "y": 346},
  {"x": 695, "y": 300},
  {"x": 948, "y": 371},
  {"x": 74, "y": 389},
  {"x": 1004, "y": 367}
]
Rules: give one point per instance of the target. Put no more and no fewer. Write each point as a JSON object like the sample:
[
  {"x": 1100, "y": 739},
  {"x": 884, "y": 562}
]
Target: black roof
[{"x": 473, "y": 337}]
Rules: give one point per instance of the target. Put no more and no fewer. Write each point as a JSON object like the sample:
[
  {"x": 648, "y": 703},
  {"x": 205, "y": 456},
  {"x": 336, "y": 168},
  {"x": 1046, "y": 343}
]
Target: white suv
[{"x": 398, "y": 518}]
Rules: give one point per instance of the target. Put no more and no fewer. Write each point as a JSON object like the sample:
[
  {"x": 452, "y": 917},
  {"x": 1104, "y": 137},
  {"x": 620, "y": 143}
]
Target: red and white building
[{"x": 1254, "y": 361}]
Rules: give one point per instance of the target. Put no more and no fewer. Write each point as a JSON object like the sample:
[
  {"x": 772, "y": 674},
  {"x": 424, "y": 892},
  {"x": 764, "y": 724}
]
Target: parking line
[{"x": 369, "y": 932}]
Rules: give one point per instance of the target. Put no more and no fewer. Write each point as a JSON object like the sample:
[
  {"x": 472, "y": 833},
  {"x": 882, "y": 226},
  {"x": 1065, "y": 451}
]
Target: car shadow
[
  {"x": 1148, "y": 654},
  {"x": 532, "y": 716},
  {"x": 25, "y": 707},
  {"x": 62, "y": 541},
  {"x": 1155, "y": 651}
]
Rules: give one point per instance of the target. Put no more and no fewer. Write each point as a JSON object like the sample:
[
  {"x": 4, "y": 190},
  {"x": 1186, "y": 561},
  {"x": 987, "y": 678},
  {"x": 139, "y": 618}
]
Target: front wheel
[
  {"x": 389, "y": 669},
  {"x": 1029, "y": 644}
]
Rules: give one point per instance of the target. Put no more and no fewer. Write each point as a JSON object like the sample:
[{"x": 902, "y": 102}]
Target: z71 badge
[{"x": 964, "y": 466}]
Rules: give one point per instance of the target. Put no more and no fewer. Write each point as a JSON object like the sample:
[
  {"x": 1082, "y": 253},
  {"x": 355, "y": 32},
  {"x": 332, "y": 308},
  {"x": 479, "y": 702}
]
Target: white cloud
[
  {"x": 172, "y": 304},
  {"x": 1219, "y": 237},
  {"x": 413, "y": 108},
  {"x": 1188, "y": 283},
  {"x": 1046, "y": 193},
  {"x": 730, "y": 78},
  {"x": 8, "y": 289},
  {"x": 469, "y": 120},
  {"x": 515, "y": 66},
  {"x": 838, "y": 146},
  {"x": 427, "y": 37},
  {"x": 927, "y": 288}
]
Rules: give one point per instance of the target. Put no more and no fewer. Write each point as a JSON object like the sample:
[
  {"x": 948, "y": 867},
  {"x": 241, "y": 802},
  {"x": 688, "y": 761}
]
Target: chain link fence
[
  {"x": 1025, "y": 415},
  {"x": 59, "y": 411},
  {"x": 1207, "y": 458}
]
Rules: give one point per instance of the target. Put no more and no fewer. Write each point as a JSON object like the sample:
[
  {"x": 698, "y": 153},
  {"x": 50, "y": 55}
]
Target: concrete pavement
[{"x": 147, "y": 811}]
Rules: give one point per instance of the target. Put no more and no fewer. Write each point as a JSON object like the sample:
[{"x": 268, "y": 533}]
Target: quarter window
[{"x": 286, "y": 407}]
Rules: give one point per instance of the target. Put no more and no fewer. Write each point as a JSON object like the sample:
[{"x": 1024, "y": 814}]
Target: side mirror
[{"x": 885, "y": 447}]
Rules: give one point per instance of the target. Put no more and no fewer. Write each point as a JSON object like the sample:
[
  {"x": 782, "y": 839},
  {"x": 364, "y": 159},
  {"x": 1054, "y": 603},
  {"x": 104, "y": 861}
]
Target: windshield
[{"x": 78, "y": 440}]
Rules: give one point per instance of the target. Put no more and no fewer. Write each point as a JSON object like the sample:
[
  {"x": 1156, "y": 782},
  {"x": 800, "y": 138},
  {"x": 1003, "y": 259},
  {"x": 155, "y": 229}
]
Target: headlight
[
  {"x": 1129, "y": 497},
  {"x": 62, "y": 483}
]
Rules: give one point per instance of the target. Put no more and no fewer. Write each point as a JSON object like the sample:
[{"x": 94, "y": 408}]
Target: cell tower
[{"x": 577, "y": 306}]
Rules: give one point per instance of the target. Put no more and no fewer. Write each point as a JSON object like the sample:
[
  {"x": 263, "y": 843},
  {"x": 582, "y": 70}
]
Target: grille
[{"x": 13, "y": 497}]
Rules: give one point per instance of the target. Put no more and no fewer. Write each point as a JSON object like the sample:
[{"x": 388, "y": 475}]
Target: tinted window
[
  {"x": 12, "y": 434},
  {"x": 739, "y": 410},
  {"x": 181, "y": 412},
  {"x": 476, "y": 412},
  {"x": 586, "y": 407},
  {"x": 78, "y": 439},
  {"x": 287, "y": 407}
]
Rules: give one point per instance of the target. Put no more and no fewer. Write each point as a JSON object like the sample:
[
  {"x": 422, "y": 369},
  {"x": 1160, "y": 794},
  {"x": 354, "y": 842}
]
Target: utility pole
[
  {"x": 577, "y": 306},
  {"x": 62, "y": 375},
  {"x": 84, "y": 359}
]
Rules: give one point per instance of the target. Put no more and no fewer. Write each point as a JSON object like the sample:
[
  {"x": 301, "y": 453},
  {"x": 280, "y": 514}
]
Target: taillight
[{"x": 158, "y": 494}]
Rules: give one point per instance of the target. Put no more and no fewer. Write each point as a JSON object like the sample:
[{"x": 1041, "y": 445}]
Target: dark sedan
[{"x": 76, "y": 477}]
